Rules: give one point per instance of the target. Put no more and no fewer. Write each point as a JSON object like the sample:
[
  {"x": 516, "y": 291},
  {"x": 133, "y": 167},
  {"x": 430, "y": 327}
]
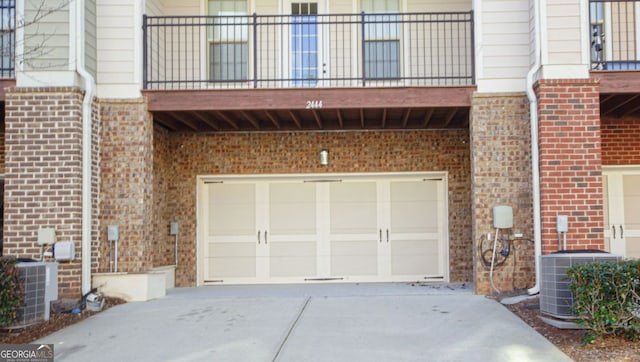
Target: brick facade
[
  {"x": 570, "y": 162},
  {"x": 620, "y": 141},
  {"x": 43, "y": 168},
  {"x": 501, "y": 175},
  {"x": 284, "y": 153},
  {"x": 126, "y": 189}
]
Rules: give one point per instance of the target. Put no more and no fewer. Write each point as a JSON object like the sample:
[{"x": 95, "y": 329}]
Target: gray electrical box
[
  {"x": 502, "y": 217},
  {"x": 173, "y": 228},
  {"x": 113, "y": 232},
  {"x": 562, "y": 223}
]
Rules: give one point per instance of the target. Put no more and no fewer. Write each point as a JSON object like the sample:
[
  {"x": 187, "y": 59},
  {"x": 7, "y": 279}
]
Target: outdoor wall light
[{"x": 324, "y": 157}]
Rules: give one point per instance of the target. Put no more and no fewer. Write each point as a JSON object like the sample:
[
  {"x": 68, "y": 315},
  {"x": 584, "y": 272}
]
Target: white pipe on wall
[
  {"x": 77, "y": 27},
  {"x": 535, "y": 152}
]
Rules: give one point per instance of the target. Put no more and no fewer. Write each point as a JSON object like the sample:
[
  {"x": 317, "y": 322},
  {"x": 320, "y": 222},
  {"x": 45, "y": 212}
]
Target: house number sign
[{"x": 315, "y": 104}]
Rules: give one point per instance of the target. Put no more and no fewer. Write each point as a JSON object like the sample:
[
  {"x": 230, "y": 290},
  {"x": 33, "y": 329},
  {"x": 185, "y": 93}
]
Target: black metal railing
[
  {"x": 288, "y": 51},
  {"x": 615, "y": 42},
  {"x": 8, "y": 38}
]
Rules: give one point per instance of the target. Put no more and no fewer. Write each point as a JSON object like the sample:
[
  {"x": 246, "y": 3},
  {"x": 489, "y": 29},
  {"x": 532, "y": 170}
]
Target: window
[
  {"x": 7, "y": 29},
  {"x": 229, "y": 40},
  {"x": 381, "y": 39},
  {"x": 304, "y": 44}
]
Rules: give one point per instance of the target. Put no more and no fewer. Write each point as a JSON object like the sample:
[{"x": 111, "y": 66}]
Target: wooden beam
[
  {"x": 316, "y": 116},
  {"x": 295, "y": 119},
  {"x": 405, "y": 118},
  {"x": 612, "y": 109},
  {"x": 182, "y": 117},
  {"x": 285, "y": 99},
  {"x": 427, "y": 117},
  {"x": 162, "y": 120},
  {"x": 630, "y": 110},
  {"x": 205, "y": 120},
  {"x": 362, "y": 117},
  {"x": 383, "y": 122},
  {"x": 617, "y": 82},
  {"x": 251, "y": 120},
  {"x": 226, "y": 119},
  {"x": 449, "y": 117},
  {"x": 273, "y": 119},
  {"x": 340, "y": 120}
]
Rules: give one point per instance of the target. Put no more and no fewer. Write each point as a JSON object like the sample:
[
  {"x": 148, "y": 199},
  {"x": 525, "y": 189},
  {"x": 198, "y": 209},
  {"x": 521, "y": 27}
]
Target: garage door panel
[
  {"x": 354, "y": 257},
  {"x": 353, "y": 208},
  {"x": 232, "y": 267},
  {"x": 633, "y": 247},
  {"x": 415, "y": 257},
  {"x": 232, "y": 260},
  {"x": 231, "y": 209},
  {"x": 292, "y": 208}
]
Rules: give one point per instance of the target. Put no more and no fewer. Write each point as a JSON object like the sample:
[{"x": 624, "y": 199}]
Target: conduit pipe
[
  {"x": 77, "y": 28},
  {"x": 535, "y": 152}
]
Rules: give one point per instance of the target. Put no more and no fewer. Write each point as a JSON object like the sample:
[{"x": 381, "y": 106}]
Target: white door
[
  {"x": 230, "y": 227},
  {"x": 305, "y": 43},
  {"x": 622, "y": 211},
  {"x": 291, "y": 233},
  {"x": 416, "y": 229},
  {"x": 354, "y": 231}
]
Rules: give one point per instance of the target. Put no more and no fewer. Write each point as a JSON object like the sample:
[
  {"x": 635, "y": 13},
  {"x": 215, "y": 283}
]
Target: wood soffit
[
  {"x": 268, "y": 110},
  {"x": 619, "y": 93}
]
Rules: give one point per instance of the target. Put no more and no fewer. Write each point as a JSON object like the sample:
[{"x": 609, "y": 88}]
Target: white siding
[
  {"x": 46, "y": 38},
  {"x": 91, "y": 63},
  {"x": 563, "y": 53},
  {"x": 503, "y": 51},
  {"x": 119, "y": 48}
]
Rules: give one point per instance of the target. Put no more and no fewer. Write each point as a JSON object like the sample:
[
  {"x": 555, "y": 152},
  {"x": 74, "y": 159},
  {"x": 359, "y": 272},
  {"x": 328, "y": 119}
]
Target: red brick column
[
  {"x": 570, "y": 162},
  {"x": 43, "y": 168}
]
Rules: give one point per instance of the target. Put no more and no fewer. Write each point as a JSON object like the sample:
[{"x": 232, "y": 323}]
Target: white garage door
[{"x": 294, "y": 229}]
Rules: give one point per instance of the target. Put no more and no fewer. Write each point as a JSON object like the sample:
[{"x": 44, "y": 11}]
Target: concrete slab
[{"x": 337, "y": 322}]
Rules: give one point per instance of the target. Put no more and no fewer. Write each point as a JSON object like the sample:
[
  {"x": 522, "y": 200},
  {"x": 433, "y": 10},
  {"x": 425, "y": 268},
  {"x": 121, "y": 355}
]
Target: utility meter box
[
  {"x": 562, "y": 223},
  {"x": 502, "y": 217},
  {"x": 113, "y": 232},
  {"x": 173, "y": 228}
]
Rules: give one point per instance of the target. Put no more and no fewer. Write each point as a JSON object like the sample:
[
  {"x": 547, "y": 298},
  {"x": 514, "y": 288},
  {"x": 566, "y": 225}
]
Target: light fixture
[{"x": 324, "y": 157}]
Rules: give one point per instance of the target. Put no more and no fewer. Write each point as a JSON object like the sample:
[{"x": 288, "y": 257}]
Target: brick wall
[
  {"x": 126, "y": 183},
  {"x": 570, "y": 162},
  {"x": 620, "y": 141},
  {"x": 501, "y": 175},
  {"x": 291, "y": 152},
  {"x": 43, "y": 167},
  {"x": 163, "y": 243}
]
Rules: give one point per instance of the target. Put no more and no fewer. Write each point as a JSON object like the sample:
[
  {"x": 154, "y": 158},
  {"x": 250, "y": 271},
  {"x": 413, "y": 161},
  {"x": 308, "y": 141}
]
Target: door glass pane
[{"x": 304, "y": 44}]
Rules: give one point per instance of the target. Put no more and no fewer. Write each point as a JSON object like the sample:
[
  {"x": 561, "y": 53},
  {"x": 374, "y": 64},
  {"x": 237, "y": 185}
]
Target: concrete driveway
[{"x": 337, "y": 322}]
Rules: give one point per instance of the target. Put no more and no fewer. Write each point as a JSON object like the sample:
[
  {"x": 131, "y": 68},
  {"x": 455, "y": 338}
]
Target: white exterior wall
[
  {"x": 565, "y": 43},
  {"x": 502, "y": 45},
  {"x": 119, "y": 50},
  {"x": 91, "y": 61},
  {"x": 43, "y": 45}
]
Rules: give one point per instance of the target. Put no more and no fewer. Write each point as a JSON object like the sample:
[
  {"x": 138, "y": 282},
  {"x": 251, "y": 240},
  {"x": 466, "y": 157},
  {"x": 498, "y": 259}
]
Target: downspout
[
  {"x": 535, "y": 152},
  {"x": 89, "y": 88}
]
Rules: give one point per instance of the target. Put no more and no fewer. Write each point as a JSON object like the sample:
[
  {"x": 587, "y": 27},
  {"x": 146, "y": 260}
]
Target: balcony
[
  {"x": 614, "y": 27},
  {"x": 309, "y": 51}
]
